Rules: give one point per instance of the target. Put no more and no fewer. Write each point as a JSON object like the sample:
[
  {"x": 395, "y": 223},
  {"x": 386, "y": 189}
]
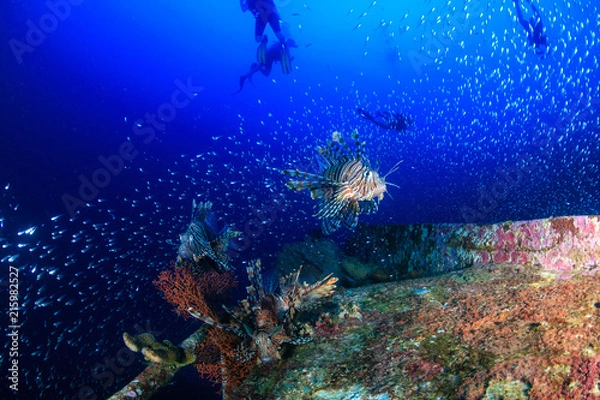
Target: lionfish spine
[
  {"x": 349, "y": 171},
  {"x": 256, "y": 291},
  {"x": 343, "y": 148},
  {"x": 300, "y": 174},
  {"x": 210, "y": 321},
  {"x": 360, "y": 146}
]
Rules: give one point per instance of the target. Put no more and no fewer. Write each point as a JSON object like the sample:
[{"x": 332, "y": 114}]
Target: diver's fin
[
  {"x": 242, "y": 80},
  {"x": 261, "y": 53},
  {"x": 286, "y": 61},
  {"x": 253, "y": 68}
]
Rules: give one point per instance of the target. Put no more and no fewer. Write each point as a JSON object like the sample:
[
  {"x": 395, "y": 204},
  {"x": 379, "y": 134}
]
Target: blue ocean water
[{"x": 115, "y": 116}]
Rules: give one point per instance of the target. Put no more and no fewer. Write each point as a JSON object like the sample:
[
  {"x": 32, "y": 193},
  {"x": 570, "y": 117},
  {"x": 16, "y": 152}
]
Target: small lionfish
[
  {"x": 203, "y": 240},
  {"x": 346, "y": 186},
  {"x": 265, "y": 318}
]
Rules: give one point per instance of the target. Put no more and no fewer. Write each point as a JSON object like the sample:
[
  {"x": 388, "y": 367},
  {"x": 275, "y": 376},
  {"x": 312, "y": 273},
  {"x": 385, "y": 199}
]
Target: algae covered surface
[{"x": 501, "y": 331}]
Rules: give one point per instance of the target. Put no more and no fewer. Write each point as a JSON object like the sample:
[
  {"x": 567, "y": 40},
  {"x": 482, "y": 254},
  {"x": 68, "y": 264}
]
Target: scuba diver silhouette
[
  {"x": 276, "y": 53},
  {"x": 534, "y": 28},
  {"x": 387, "y": 120},
  {"x": 265, "y": 12}
]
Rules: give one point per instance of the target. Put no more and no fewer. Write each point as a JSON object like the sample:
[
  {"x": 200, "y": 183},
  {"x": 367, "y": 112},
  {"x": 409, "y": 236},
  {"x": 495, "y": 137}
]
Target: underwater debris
[
  {"x": 316, "y": 255},
  {"x": 560, "y": 245},
  {"x": 502, "y": 322},
  {"x": 345, "y": 186},
  {"x": 155, "y": 375},
  {"x": 204, "y": 243}
]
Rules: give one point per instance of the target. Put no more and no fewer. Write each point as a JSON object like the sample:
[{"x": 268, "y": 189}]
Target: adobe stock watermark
[
  {"x": 112, "y": 367},
  {"x": 13, "y": 328},
  {"x": 36, "y": 33},
  {"x": 508, "y": 179},
  {"x": 436, "y": 43},
  {"x": 146, "y": 129}
]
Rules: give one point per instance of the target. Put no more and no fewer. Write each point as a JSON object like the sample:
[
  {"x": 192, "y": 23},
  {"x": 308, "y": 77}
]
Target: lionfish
[
  {"x": 265, "y": 319},
  {"x": 346, "y": 185},
  {"x": 204, "y": 243}
]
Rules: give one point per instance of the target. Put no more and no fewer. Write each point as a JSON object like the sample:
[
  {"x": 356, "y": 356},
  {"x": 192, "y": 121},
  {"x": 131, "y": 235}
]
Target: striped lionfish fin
[
  {"x": 325, "y": 155},
  {"x": 256, "y": 291},
  {"x": 317, "y": 188},
  {"x": 342, "y": 150},
  {"x": 350, "y": 215},
  {"x": 335, "y": 213},
  {"x": 313, "y": 182},
  {"x": 201, "y": 247},
  {"x": 337, "y": 150},
  {"x": 331, "y": 154},
  {"x": 330, "y": 208},
  {"x": 370, "y": 206},
  {"x": 324, "y": 192},
  {"x": 330, "y": 225},
  {"x": 200, "y": 210},
  {"x": 300, "y": 174},
  {"x": 210, "y": 321},
  {"x": 331, "y": 213},
  {"x": 360, "y": 146}
]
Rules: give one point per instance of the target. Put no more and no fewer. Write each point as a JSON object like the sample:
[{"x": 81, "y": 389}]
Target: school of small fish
[{"x": 519, "y": 140}]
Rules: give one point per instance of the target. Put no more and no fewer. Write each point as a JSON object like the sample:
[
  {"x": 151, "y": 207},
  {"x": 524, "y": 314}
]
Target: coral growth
[
  {"x": 187, "y": 290},
  {"x": 499, "y": 331},
  {"x": 223, "y": 358},
  {"x": 319, "y": 256},
  {"x": 253, "y": 331},
  {"x": 503, "y": 329},
  {"x": 325, "y": 327},
  {"x": 265, "y": 319},
  {"x": 163, "y": 352},
  {"x": 561, "y": 245}
]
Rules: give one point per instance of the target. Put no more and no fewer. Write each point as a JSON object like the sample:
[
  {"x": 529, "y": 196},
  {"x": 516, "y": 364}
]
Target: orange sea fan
[{"x": 184, "y": 289}]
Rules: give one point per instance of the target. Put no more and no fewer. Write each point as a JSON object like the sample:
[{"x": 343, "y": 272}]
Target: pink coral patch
[
  {"x": 482, "y": 257},
  {"x": 500, "y": 257},
  {"x": 519, "y": 257},
  {"x": 505, "y": 241},
  {"x": 586, "y": 225}
]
